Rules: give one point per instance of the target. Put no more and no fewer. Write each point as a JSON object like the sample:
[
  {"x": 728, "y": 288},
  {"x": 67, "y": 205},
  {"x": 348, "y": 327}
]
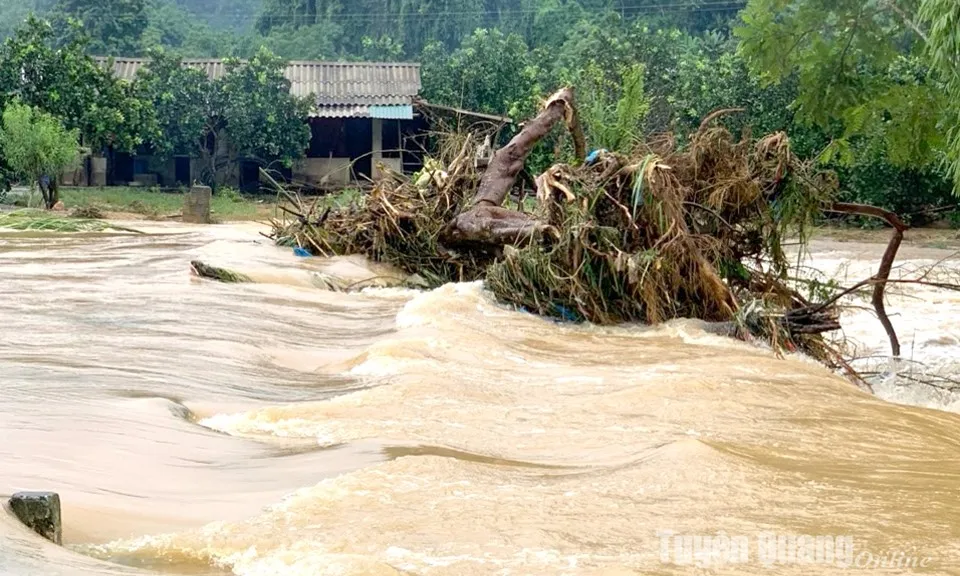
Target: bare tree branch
[{"x": 886, "y": 263}]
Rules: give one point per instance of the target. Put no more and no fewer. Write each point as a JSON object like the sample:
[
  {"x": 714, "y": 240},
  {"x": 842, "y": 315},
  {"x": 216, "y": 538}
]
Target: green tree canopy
[
  {"x": 250, "y": 107},
  {"x": 36, "y": 146},
  {"x": 69, "y": 84},
  {"x": 181, "y": 99},
  {"x": 115, "y": 27},
  {"x": 264, "y": 120},
  {"x": 943, "y": 49},
  {"x": 491, "y": 72},
  {"x": 861, "y": 72}
]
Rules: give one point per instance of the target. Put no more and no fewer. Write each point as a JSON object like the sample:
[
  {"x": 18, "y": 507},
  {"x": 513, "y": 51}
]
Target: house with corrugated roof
[{"x": 363, "y": 116}]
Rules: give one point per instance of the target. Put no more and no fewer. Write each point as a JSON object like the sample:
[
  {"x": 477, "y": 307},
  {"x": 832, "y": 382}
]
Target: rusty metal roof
[{"x": 344, "y": 89}]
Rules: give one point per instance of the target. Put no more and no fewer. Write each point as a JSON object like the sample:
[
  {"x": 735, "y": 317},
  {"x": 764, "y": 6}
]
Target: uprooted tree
[{"x": 666, "y": 232}]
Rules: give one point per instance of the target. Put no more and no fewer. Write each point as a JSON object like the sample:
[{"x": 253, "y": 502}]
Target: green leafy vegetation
[
  {"x": 112, "y": 27},
  {"x": 613, "y": 116},
  {"x": 870, "y": 89},
  {"x": 36, "y": 146},
  {"x": 251, "y": 104},
  {"x": 168, "y": 109},
  {"x": 875, "y": 79}
]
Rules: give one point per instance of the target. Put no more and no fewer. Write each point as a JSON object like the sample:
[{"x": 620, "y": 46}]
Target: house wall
[
  {"x": 342, "y": 152},
  {"x": 323, "y": 171},
  {"x": 98, "y": 171},
  {"x": 77, "y": 174}
]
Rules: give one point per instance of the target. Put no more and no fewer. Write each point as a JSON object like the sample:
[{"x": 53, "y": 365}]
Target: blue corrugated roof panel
[{"x": 402, "y": 112}]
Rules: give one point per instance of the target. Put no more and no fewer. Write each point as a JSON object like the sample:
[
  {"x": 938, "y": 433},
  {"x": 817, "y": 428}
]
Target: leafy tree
[
  {"x": 115, "y": 27},
  {"x": 250, "y": 107},
  {"x": 180, "y": 97},
  {"x": 13, "y": 13},
  {"x": 859, "y": 73},
  {"x": 943, "y": 49},
  {"x": 263, "y": 119},
  {"x": 317, "y": 42},
  {"x": 879, "y": 78},
  {"x": 491, "y": 72},
  {"x": 615, "y": 44},
  {"x": 292, "y": 13},
  {"x": 69, "y": 84},
  {"x": 917, "y": 194},
  {"x": 382, "y": 49},
  {"x": 416, "y": 24},
  {"x": 221, "y": 15},
  {"x": 37, "y": 146},
  {"x": 181, "y": 32}
]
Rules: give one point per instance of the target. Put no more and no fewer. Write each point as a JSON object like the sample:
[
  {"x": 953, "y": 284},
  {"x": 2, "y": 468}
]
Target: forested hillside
[{"x": 869, "y": 88}]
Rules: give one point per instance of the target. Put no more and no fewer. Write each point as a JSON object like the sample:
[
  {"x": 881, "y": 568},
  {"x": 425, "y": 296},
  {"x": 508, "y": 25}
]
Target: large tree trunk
[{"x": 487, "y": 222}]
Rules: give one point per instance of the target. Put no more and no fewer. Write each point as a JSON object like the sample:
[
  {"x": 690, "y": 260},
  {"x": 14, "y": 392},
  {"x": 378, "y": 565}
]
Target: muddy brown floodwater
[{"x": 280, "y": 429}]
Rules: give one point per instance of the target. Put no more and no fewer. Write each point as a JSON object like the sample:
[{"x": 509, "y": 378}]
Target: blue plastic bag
[
  {"x": 592, "y": 157},
  {"x": 301, "y": 252}
]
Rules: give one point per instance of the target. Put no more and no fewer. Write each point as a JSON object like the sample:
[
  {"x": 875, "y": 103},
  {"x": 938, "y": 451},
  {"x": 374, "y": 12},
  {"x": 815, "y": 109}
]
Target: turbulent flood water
[{"x": 280, "y": 429}]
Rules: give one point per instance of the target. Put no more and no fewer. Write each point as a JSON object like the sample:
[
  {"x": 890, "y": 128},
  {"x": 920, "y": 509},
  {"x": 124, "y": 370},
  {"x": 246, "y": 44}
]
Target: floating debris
[{"x": 219, "y": 274}]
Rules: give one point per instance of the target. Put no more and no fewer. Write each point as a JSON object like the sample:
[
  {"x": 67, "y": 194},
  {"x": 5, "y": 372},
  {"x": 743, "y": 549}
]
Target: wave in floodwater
[{"x": 280, "y": 429}]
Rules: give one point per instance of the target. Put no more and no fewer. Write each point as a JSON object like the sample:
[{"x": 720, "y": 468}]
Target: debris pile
[
  {"x": 399, "y": 221},
  {"x": 666, "y": 232}
]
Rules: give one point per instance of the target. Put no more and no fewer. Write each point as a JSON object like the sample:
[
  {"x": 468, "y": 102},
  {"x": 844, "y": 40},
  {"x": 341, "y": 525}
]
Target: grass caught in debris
[
  {"x": 673, "y": 233},
  {"x": 39, "y": 220}
]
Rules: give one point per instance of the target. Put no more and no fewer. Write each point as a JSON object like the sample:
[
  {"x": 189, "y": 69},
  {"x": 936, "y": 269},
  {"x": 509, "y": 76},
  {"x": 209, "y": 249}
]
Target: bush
[{"x": 229, "y": 193}]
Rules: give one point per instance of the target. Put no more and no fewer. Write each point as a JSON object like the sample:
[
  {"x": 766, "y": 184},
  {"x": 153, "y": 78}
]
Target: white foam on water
[
  {"x": 256, "y": 423},
  {"x": 302, "y": 561}
]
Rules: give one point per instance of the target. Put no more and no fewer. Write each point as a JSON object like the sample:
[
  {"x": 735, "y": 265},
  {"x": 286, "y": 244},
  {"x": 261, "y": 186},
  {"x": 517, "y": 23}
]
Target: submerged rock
[{"x": 39, "y": 511}]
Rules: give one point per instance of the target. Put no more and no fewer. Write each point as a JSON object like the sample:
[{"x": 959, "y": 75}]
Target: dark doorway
[
  {"x": 181, "y": 170},
  {"x": 359, "y": 132},
  {"x": 249, "y": 176},
  {"x": 121, "y": 169},
  {"x": 414, "y": 141}
]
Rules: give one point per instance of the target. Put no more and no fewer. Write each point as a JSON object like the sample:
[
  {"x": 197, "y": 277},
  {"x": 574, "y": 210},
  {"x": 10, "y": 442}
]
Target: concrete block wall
[{"x": 336, "y": 171}]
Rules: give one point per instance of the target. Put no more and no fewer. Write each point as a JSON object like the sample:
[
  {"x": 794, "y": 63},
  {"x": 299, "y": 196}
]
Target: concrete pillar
[
  {"x": 39, "y": 511},
  {"x": 377, "y": 146},
  {"x": 98, "y": 171},
  {"x": 196, "y": 205}
]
